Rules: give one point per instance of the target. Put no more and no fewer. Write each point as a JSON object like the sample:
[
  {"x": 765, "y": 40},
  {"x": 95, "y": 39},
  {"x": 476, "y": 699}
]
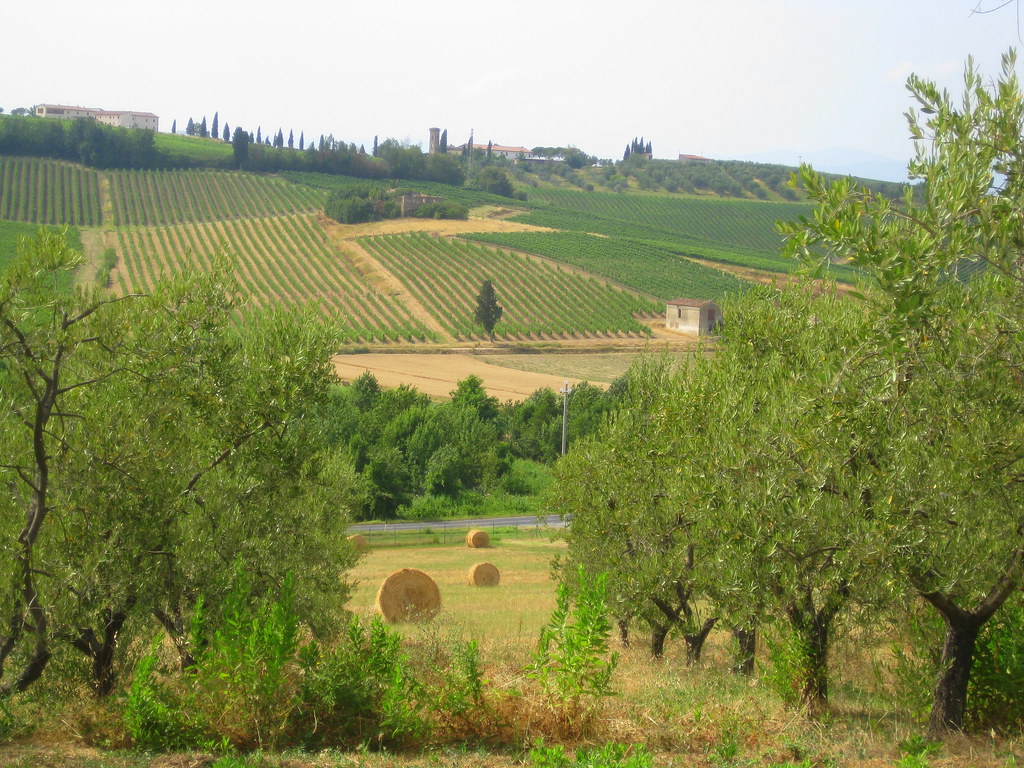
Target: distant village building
[
  {"x": 146, "y": 120},
  {"x": 694, "y": 160},
  {"x": 696, "y": 316},
  {"x": 512, "y": 153}
]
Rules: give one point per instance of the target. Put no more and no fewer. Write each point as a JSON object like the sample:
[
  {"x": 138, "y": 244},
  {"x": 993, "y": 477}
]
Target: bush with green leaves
[
  {"x": 572, "y": 662},
  {"x": 362, "y": 690}
]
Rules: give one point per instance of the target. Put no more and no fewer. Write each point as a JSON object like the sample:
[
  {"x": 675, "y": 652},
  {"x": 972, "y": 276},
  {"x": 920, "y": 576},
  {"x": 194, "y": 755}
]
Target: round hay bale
[
  {"x": 484, "y": 575},
  {"x": 477, "y": 539},
  {"x": 359, "y": 542},
  {"x": 408, "y": 595}
]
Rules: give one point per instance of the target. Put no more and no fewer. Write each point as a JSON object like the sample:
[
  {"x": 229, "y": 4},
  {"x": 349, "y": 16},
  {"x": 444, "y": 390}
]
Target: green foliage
[
  {"x": 572, "y": 662},
  {"x": 788, "y": 662},
  {"x": 107, "y": 262},
  {"x": 488, "y": 312},
  {"x": 442, "y": 210},
  {"x": 995, "y": 698},
  {"x": 243, "y": 685},
  {"x": 12, "y": 237},
  {"x": 84, "y": 141},
  {"x": 494, "y": 181},
  {"x": 610, "y": 755},
  {"x": 153, "y": 717},
  {"x": 362, "y": 690}
]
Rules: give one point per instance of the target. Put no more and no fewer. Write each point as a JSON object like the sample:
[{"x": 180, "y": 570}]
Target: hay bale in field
[
  {"x": 359, "y": 542},
  {"x": 484, "y": 575},
  {"x": 477, "y": 539},
  {"x": 408, "y": 595}
]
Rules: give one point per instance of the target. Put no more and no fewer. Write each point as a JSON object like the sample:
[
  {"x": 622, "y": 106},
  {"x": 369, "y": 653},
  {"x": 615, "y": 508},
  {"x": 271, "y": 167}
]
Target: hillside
[{"x": 566, "y": 264}]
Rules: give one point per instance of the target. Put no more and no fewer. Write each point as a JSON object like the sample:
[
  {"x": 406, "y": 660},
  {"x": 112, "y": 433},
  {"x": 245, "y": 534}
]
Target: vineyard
[
  {"x": 150, "y": 198},
  {"x": 540, "y": 300},
  {"x": 164, "y": 221},
  {"x": 726, "y": 231},
  {"x": 280, "y": 261},
  {"x": 48, "y": 192},
  {"x": 634, "y": 264}
]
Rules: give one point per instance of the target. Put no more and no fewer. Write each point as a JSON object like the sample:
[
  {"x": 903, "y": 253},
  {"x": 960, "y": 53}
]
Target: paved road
[{"x": 522, "y": 521}]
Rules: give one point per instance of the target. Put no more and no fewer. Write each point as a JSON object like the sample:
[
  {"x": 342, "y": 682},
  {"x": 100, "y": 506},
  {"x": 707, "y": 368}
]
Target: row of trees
[
  {"x": 153, "y": 449},
  {"x": 357, "y": 204},
  {"x": 405, "y": 446},
  {"x": 841, "y": 458},
  {"x": 80, "y": 141}
]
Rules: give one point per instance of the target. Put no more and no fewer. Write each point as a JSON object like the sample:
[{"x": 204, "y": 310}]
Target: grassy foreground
[{"x": 704, "y": 716}]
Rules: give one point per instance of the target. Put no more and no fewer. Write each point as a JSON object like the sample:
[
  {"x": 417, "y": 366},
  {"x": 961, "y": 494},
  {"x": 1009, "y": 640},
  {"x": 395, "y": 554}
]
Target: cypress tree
[
  {"x": 174, "y": 126},
  {"x": 374, "y": 146},
  {"x": 442, "y": 147},
  {"x": 488, "y": 311},
  {"x": 215, "y": 128},
  {"x": 302, "y": 140},
  {"x": 190, "y": 128},
  {"x": 227, "y": 132},
  {"x": 291, "y": 139},
  {"x": 259, "y": 136}
]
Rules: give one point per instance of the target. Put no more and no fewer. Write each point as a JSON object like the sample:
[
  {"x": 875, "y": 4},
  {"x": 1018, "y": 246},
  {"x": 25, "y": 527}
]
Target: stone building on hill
[
  {"x": 697, "y": 316},
  {"x": 146, "y": 120}
]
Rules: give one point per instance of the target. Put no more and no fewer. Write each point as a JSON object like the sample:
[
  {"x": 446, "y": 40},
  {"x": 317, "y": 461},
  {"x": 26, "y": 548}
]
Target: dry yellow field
[
  {"x": 437, "y": 374},
  {"x": 502, "y": 618}
]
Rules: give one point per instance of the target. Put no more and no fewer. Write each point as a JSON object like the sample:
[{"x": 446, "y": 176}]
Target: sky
[{"x": 771, "y": 80}]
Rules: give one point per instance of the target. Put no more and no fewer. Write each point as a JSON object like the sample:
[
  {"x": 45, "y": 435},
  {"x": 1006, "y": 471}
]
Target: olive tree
[
  {"x": 156, "y": 448},
  {"x": 940, "y": 369}
]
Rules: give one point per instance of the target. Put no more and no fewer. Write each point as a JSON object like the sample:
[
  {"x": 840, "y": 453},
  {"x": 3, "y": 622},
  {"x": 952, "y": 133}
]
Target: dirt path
[
  {"x": 437, "y": 374},
  {"x": 382, "y": 279}
]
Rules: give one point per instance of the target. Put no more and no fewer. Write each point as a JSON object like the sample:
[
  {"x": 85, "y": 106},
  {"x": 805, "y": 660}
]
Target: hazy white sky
[{"x": 724, "y": 78}]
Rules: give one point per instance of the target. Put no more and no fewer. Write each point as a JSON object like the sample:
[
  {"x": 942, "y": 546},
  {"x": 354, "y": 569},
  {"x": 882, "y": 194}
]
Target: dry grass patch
[{"x": 506, "y": 623}]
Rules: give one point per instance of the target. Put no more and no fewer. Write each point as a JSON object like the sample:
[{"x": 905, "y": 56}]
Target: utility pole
[{"x": 566, "y": 390}]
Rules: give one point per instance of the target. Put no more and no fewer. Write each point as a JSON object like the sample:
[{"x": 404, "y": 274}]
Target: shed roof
[{"x": 690, "y": 302}]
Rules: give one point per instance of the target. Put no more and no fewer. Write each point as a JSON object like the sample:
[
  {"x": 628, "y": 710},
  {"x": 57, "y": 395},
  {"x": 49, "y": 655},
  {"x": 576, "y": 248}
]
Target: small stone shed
[{"x": 699, "y": 316}]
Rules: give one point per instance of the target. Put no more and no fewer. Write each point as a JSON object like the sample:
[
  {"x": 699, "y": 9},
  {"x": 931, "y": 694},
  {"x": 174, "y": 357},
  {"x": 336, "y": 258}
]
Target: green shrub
[
  {"x": 611, "y": 755},
  {"x": 153, "y": 716},
  {"x": 995, "y": 698},
  {"x": 362, "y": 690},
  {"x": 572, "y": 662}
]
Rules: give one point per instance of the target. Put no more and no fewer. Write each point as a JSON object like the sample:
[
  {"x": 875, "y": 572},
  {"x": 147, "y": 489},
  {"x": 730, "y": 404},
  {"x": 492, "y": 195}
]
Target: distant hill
[{"x": 624, "y": 252}]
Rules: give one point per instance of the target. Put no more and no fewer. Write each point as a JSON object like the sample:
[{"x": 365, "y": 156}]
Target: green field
[
  {"x": 187, "y": 150},
  {"x": 165, "y": 220},
  {"x": 634, "y": 264}
]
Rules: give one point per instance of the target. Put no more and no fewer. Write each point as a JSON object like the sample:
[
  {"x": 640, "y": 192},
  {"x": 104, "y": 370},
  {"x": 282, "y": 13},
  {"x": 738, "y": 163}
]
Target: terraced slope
[
  {"x": 149, "y": 198},
  {"x": 41, "y": 191},
  {"x": 284, "y": 260}
]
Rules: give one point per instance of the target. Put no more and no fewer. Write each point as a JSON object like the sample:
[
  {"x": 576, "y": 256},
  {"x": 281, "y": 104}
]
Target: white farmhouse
[
  {"x": 698, "y": 316},
  {"x": 146, "y": 120}
]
